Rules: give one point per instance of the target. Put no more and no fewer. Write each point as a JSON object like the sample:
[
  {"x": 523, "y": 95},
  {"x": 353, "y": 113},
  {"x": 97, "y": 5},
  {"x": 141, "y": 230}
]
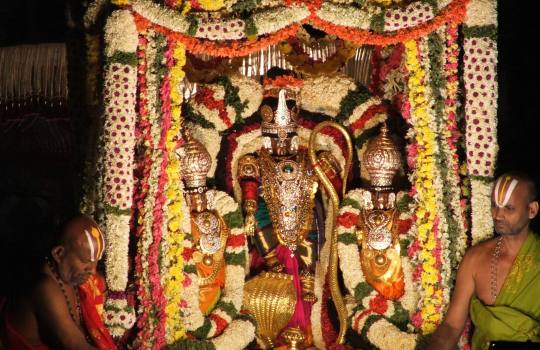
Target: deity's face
[
  {"x": 197, "y": 201},
  {"x": 383, "y": 200},
  {"x": 511, "y": 208},
  {"x": 281, "y": 146},
  {"x": 74, "y": 261}
]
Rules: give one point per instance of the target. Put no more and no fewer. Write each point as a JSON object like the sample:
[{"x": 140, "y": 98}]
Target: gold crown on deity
[
  {"x": 382, "y": 160},
  {"x": 282, "y": 121},
  {"x": 195, "y": 163}
]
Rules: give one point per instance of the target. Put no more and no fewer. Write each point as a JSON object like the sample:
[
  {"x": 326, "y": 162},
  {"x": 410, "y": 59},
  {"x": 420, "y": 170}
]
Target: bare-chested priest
[
  {"x": 63, "y": 308},
  {"x": 498, "y": 282}
]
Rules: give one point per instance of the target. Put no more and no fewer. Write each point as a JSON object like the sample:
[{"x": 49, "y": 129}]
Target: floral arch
[{"x": 420, "y": 51}]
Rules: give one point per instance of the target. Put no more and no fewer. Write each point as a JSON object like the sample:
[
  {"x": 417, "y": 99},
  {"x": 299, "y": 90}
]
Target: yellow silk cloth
[{"x": 515, "y": 316}]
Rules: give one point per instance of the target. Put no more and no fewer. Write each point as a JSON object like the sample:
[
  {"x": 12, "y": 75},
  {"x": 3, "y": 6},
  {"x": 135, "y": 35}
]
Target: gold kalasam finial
[
  {"x": 381, "y": 160},
  {"x": 195, "y": 162}
]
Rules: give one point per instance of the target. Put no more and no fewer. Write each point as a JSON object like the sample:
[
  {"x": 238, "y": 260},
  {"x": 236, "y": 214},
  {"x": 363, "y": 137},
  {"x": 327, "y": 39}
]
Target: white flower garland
[
  {"x": 395, "y": 17},
  {"x": 480, "y": 63},
  {"x": 250, "y": 92},
  {"x": 353, "y": 276},
  {"x": 119, "y": 143},
  {"x": 315, "y": 87},
  {"x": 266, "y": 21},
  {"x": 482, "y": 221},
  {"x": 120, "y": 33},
  {"x": 218, "y": 29},
  {"x": 480, "y": 68},
  {"x": 161, "y": 15},
  {"x": 272, "y": 20},
  {"x": 481, "y": 13},
  {"x": 119, "y": 316},
  {"x": 410, "y": 16}
]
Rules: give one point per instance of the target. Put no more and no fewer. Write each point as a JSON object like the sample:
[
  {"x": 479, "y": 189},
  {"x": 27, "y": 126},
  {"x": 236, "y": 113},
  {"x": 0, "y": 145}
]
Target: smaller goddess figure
[
  {"x": 377, "y": 230},
  {"x": 215, "y": 259},
  {"x": 373, "y": 229}
]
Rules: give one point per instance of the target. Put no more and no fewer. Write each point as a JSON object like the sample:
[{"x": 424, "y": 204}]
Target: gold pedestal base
[{"x": 294, "y": 338}]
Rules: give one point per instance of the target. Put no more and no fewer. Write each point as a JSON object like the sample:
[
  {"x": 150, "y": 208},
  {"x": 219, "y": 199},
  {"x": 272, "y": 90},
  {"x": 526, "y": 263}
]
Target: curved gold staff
[{"x": 334, "y": 199}]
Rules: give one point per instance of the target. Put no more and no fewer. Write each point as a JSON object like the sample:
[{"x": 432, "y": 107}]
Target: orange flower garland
[
  {"x": 454, "y": 13},
  {"x": 221, "y": 49}
]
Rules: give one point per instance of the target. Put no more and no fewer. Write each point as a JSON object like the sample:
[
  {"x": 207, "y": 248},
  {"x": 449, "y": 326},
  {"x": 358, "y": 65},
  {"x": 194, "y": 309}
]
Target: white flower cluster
[
  {"x": 119, "y": 316},
  {"x": 274, "y": 19},
  {"x": 161, "y": 15},
  {"x": 482, "y": 222},
  {"x": 333, "y": 87},
  {"x": 410, "y": 16},
  {"x": 120, "y": 33},
  {"x": 480, "y": 69},
  {"x": 217, "y": 29}
]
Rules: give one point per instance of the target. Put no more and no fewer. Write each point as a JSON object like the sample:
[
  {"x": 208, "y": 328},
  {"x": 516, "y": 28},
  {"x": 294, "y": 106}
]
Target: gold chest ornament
[
  {"x": 288, "y": 188},
  {"x": 210, "y": 247}
]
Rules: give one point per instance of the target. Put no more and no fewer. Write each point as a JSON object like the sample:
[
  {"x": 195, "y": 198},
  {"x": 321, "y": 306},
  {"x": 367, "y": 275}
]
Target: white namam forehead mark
[
  {"x": 95, "y": 252},
  {"x": 504, "y": 187},
  {"x": 91, "y": 245}
]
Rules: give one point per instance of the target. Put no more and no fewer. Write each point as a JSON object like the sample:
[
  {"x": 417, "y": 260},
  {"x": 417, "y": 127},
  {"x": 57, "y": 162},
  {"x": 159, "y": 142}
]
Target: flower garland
[
  {"x": 215, "y": 328},
  {"x": 481, "y": 92},
  {"x": 426, "y": 183},
  {"x": 358, "y": 26},
  {"x": 381, "y": 322},
  {"x": 149, "y": 129},
  {"x": 120, "y": 86},
  {"x": 275, "y": 23},
  {"x": 267, "y": 21},
  {"x": 449, "y": 129},
  {"x": 118, "y": 161},
  {"x": 304, "y": 64},
  {"x": 211, "y": 108},
  {"x": 174, "y": 238}
]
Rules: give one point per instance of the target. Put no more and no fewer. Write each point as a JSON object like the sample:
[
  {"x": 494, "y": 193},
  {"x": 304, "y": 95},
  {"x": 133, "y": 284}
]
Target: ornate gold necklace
[
  {"x": 289, "y": 191},
  {"x": 211, "y": 246},
  {"x": 493, "y": 268}
]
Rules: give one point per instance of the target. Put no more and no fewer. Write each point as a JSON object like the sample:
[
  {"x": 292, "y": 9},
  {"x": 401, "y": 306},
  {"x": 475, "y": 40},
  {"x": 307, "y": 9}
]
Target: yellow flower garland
[
  {"x": 426, "y": 192},
  {"x": 211, "y": 5},
  {"x": 175, "y": 329}
]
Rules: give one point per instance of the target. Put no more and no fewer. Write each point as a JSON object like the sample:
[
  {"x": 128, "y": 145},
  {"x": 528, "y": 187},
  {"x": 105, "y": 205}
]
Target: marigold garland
[
  {"x": 426, "y": 219},
  {"x": 174, "y": 264}
]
